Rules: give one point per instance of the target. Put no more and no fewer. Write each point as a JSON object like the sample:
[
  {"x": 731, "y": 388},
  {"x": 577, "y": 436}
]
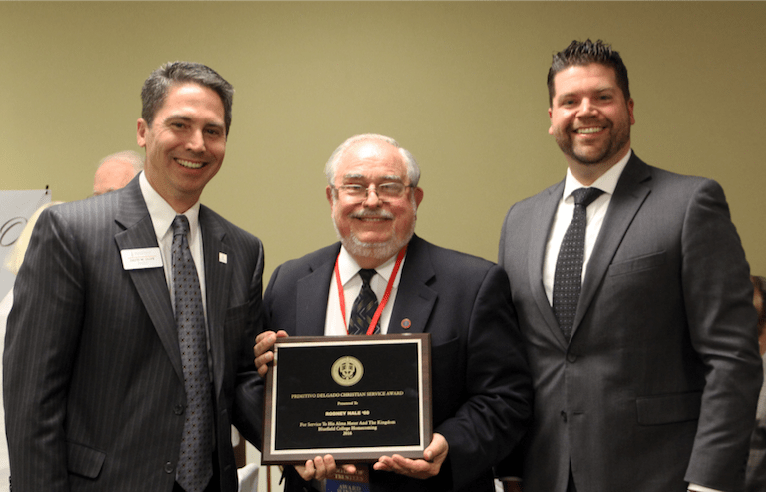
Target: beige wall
[{"x": 462, "y": 85}]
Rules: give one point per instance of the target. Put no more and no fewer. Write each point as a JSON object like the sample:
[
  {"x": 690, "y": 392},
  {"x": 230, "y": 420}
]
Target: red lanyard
[{"x": 386, "y": 294}]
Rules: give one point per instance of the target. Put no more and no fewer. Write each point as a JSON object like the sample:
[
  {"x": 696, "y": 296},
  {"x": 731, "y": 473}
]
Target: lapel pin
[
  {"x": 406, "y": 323},
  {"x": 222, "y": 257}
]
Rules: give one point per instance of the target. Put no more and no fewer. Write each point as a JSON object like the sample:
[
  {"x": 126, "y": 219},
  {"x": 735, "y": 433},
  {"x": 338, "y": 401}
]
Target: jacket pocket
[
  {"x": 638, "y": 264},
  {"x": 83, "y": 460},
  {"x": 667, "y": 409}
]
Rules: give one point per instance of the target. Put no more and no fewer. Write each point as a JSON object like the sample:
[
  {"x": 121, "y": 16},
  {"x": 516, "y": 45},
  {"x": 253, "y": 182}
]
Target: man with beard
[
  {"x": 641, "y": 332},
  {"x": 481, "y": 390}
]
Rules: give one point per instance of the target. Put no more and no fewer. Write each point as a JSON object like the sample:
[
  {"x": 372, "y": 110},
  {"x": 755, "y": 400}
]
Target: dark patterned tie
[
  {"x": 195, "y": 463},
  {"x": 364, "y": 307},
  {"x": 566, "y": 283}
]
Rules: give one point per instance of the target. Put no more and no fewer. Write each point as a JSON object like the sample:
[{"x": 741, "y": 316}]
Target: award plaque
[{"x": 355, "y": 397}]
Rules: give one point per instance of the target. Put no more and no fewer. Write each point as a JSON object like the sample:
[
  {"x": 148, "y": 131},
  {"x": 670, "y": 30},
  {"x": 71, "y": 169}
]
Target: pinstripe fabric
[{"x": 92, "y": 374}]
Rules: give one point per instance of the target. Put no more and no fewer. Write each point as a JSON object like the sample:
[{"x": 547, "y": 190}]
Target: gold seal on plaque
[{"x": 347, "y": 371}]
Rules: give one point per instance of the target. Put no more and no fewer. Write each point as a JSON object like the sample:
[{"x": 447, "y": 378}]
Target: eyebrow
[
  {"x": 391, "y": 177},
  {"x": 188, "y": 118}
]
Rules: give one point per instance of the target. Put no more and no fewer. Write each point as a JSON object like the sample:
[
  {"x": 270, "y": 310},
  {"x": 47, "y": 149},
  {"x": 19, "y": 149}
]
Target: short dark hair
[
  {"x": 156, "y": 87},
  {"x": 581, "y": 53}
]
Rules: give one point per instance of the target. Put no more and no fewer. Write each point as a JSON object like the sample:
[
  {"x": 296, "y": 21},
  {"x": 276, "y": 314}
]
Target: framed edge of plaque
[{"x": 356, "y": 397}]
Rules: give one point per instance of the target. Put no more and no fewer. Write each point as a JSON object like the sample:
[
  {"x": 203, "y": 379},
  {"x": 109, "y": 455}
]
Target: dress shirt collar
[
  {"x": 162, "y": 213},
  {"x": 607, "y": 182},
  {"x": 348, "y": 267}
]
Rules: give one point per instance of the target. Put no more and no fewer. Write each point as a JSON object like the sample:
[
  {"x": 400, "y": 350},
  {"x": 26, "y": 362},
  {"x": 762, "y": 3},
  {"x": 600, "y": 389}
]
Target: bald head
[{"x": 115, "y": 172}]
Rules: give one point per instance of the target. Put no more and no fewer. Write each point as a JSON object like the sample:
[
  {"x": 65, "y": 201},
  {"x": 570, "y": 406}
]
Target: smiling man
[
  {"x": 128, "y": 354},
  {"x": 481, "y": 391},
  {"x": 634, "y": 301}
]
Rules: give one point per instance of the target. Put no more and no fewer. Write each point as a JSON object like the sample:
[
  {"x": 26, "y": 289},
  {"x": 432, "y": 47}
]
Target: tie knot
[
  {"x": 366, "y": 274},
  {"x": 180, "y": 225},
  {"x": 585, "y": 196}
]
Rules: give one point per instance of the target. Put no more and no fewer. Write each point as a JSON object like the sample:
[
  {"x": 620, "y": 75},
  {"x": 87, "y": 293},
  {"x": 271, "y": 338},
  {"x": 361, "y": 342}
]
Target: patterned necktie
[
  {"x": 195, "y": 464},
  {"x": 364, "y": 307},
  {"x": 566, "y": 283}
]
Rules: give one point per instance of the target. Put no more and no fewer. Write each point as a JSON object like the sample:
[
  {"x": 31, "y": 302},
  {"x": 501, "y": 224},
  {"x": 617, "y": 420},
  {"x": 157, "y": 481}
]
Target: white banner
[{"x": 16, "y": 207}]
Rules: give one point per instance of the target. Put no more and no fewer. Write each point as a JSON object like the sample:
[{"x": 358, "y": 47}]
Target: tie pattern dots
[
  {"x": 195, "y": 461},
  {"x": 566, "y": 283}
]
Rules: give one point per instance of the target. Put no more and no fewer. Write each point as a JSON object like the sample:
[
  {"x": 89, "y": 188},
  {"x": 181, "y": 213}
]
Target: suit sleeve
[
  {"x": 41, "y": 340},
  {"x": 722, "y": 327},
  {"x": 248, "y": 414},
  {"x": 493, "y": 418}
]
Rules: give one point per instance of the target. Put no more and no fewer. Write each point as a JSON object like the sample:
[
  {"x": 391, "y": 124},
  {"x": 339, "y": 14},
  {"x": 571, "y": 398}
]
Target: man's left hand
[{"x": 433, "y": 457}]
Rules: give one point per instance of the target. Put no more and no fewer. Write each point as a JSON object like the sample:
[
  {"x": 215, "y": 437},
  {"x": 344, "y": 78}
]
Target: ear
[
  {"x": 418, "y": 196},
  {"x": 550, "y": 115},
  {"x": 141, "y": 129},
  {"x": 328, "y": 191},
  {"x": 630, "y": 111}
]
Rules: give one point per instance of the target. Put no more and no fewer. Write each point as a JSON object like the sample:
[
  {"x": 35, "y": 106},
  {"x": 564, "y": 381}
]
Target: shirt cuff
[{"x": 700, "y": 488}]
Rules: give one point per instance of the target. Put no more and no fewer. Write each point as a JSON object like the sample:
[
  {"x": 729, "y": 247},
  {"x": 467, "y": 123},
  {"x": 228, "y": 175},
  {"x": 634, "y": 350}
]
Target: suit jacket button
[
  {"x": 563, "y": 416},
  {"x": 571, "y": 357},
  {"x": 178, "y": 409},
  {"x": 169, "y": 468}
]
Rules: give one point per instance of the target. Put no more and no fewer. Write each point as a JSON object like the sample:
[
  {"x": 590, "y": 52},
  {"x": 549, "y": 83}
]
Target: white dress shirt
[
  {"x": 352, "y": 284},
  {"x": 594, "y": 217},
  {"x": 162, "y": 215}
]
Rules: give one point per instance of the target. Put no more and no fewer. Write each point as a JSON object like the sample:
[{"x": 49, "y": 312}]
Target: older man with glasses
[{"x": 481, "y": 384}]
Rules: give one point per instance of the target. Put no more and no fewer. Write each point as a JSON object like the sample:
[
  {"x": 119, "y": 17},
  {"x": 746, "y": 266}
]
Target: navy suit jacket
[
  {"x": 93, "y": 384},
  {"x": 658, "y": 384},
  {"x": 481, "y": 390}
]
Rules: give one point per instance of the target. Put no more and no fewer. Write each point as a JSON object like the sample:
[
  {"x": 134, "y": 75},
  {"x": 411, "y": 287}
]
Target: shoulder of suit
[
  {"x": 449, "y": 259},
  {"x": 227, "y": 225},
  {"x": 326, "y": 255}
]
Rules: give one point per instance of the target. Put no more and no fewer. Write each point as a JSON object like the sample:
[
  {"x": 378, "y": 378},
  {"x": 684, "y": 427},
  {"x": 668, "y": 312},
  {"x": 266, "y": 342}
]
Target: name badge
[{"x": 140, "y": 258}]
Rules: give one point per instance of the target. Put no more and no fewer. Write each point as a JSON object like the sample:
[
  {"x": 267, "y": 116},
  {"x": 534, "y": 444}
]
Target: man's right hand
[
  {"x": 263, "y": 354},
  {"x": 321, "y": 467}
]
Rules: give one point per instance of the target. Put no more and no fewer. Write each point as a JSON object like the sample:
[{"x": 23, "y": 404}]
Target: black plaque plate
[{"x": 355, "y": 397}]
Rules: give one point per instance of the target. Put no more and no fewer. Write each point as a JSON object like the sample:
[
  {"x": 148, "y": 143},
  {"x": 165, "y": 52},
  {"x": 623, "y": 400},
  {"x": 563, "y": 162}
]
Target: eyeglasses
[{"x": 385, "y": 191}]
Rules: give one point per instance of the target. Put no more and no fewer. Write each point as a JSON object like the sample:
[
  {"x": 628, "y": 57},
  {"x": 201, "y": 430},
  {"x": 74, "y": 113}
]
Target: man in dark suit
[
  {"x": 481, "y": 391},
  {"x": 648, "y": 383},
  {"x": 97, "y": 372}
]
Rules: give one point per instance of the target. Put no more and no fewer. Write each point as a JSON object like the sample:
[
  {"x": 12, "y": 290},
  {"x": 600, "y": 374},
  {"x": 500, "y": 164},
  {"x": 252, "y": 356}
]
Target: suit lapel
[
  {"x": 631, "y": 191},
  {"x": 218, "y": 259},
  {"x": 137, "y": 231},
  {"x": 309, "y": 303},
  {"x": 414, "y": 299},
  {"x": 542, "y": 223}
]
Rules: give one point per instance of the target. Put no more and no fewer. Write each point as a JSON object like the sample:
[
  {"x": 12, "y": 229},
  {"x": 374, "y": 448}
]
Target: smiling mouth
[
  {"x": 190, "y": 164},
  {"x": 589, "y": 130}
]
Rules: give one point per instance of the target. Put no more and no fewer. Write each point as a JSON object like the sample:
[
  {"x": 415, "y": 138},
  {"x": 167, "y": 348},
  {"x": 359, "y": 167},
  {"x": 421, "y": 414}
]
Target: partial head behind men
[
  {"x": 581, "y": 53},
  {"x": 157, "y": 86},
  {"x": 373, "y": 197},
  {"x": 116, "y": 170}
]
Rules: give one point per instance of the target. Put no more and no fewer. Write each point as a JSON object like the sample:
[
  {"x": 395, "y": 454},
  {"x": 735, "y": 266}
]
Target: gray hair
[
  {"x": 413, "y": 170},
  {"x": 156, "y": 87},
  {"x": 130, "y": 156}
]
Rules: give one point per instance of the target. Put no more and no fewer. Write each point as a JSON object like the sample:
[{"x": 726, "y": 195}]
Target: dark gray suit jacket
[
  {"x": 658, "y": 384},
  {"x": 93, "y": 384},
  {"x": 481, "y": 390}
]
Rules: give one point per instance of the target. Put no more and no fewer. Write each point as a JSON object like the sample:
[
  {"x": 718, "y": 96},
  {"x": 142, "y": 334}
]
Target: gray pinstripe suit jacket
[{"x": 93, "y": 384}]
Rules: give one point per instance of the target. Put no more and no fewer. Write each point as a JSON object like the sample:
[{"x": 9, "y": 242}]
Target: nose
[
  {"x": 372, "y": 200},
  {"x": 586, "y": 108},
  {"x": 196, "y": 142}
]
